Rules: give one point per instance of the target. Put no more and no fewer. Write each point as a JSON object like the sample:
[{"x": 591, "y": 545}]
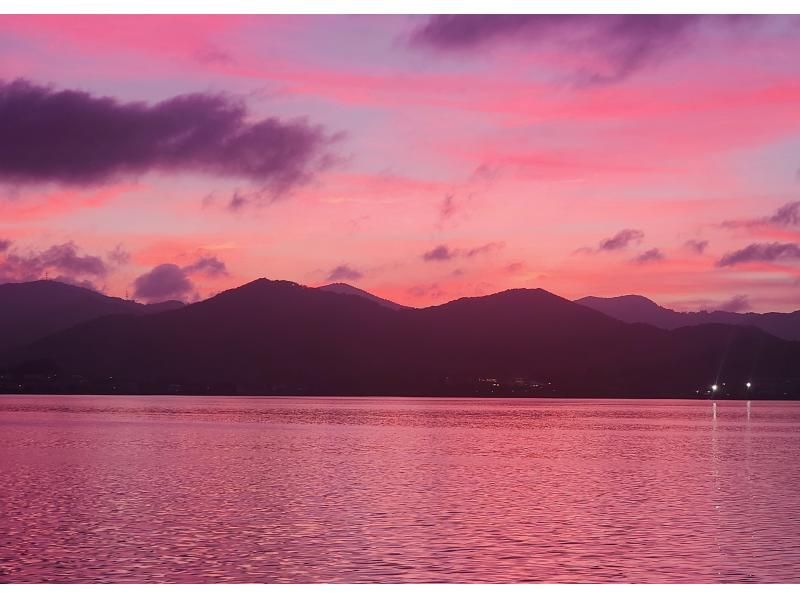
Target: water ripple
[{"x": 199, "y": 489}]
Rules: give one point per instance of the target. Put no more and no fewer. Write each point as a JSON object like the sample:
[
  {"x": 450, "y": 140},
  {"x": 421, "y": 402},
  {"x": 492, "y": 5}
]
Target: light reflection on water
[{"x": 198, "y": 489}]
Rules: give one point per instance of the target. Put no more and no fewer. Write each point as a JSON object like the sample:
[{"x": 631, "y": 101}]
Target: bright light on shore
[
  {"x": 748, "y": 385},
  {"x": 714, "y": 387}
]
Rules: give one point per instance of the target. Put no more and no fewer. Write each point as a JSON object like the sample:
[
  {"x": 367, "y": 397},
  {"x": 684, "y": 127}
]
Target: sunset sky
[{"x": 419, "y": 158}]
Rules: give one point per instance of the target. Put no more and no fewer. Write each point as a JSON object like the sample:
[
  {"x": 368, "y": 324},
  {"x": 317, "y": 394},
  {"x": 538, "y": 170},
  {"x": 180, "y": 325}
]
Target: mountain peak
[
  {"x": 628, "y": 300},
  {"x": 342, "y": 288}
]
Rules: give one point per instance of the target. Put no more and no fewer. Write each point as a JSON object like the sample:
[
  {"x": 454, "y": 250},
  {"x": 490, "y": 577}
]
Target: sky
[{"x": 419, "y": 158}]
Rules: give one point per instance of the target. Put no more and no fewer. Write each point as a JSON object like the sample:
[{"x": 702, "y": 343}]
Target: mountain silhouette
[
  {"x": 278, "y": 337},
  {"x": 638, "y": 309},
  {"x": 346, "y": 289},
  {"x": 31, "y": 310}
]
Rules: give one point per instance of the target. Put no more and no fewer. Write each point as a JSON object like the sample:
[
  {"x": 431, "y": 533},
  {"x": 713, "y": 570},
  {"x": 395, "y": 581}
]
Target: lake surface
[{"x": 217, "y": 489}]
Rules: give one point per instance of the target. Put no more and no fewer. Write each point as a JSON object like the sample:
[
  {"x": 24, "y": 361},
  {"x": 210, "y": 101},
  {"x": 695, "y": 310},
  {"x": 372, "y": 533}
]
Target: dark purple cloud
[
  {"x": 439, "y": 253},
  {"x": 787, "y": 215},
  {"x": 651, "y": 255},
  {"x": 621, "y": 240},
  {"x": 627, "y": 42},
  {"x": 344, "y": 272},
  {"x": 761, "y": 252},
  {"x": 4, "y": 244},
  {"x": 71, "y": 136},
  {"x": 169, "y": 281},
  {"x": 442, "y": 253},
  {"x": 59, "y": 262},
  {"x": 163, "y": 283},
  {"x": 209, "y": 266},
  {"x": 697, "y": 245}
]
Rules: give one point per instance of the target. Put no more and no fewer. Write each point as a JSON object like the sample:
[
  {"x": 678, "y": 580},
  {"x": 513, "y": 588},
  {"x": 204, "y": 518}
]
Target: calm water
[{"x": 197, "y": 489}]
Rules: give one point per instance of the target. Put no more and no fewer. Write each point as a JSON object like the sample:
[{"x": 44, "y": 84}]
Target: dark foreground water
[{"x": 197, "y": 489}]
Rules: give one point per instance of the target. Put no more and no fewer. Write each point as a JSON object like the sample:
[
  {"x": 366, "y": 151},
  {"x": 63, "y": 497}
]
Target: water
[{"x": 199, "y": 489}]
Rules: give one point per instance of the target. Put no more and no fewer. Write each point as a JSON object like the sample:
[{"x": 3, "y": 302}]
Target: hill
[
  {"x": 346, "y": 289},
  {"x": 31, "y": 310},
  {"x": 278, "y": 337},
  {"x": 637, "y": 309}
]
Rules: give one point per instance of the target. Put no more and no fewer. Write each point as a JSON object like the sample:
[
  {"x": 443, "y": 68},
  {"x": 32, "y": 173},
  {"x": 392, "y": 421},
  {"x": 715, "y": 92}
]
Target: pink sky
[{"x": 517, "y": 158}]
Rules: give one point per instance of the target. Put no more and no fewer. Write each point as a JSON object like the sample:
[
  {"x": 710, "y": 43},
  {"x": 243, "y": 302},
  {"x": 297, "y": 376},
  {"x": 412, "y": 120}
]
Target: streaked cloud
[{"x": 761, "y": 252}]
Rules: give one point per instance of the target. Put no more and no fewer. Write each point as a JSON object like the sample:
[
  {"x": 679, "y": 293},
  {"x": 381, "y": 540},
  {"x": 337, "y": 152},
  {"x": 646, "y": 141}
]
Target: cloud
[
  {"x": 787, "y": 215},
  {"x": 59, "y": 262},
  {"x": 651, "y": 255},
  {"x": 628, "y": 43},
  {"x": 237, "y": 202},
  {"x": 444, "y": 253},
  {"x": 119, "y": 256},
  {"x": 735, "y": 303},
  {"x": 696, "y": 245},
  {"x": 4, "y": 244},
  {"x": 72, "y": 137},
  {"x": 447, "y": 208},
  {"x": 432, "y": 291},
  {"x": 761, "y": 252},
  {"x": 481, "y": 249},
  {"x": 621, "y": 240},
  {"x": 344, "y": 272},
  {"x": 439, "y": 253},
  {"x": 209, "y": 266},
  {"x": 169, "y": 281},
  {"x": 162, "y": 283}
]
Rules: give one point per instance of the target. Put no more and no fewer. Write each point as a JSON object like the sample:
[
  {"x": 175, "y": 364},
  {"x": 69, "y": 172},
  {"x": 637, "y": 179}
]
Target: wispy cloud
[
  {"x": 761, "y": 252},
  {"x": 622, "y": 240},
  {"x": 651, "y": 255},
  {"x": 344, "y": 272},
  {"x": 696, "y": 245},
  {"x": 444, "y": 253},
  {"x": 209, "y": 265},
  {"x": 787, "y": 215},
  {"x": 628, "y": 43},
  {"x": 736, "y": 303}
]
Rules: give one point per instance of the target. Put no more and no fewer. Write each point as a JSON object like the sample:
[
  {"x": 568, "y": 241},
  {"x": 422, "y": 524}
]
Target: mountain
[
  {"x": 278, "y": 337},
  {"x": 634, "y": 308},
  {"x": 31, "y": 310},
  {"x": 346, "y": 289}
]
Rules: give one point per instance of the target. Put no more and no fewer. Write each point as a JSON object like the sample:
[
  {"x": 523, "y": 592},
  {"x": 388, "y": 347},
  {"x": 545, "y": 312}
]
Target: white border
[
  {"x": 397, "y": 7},
  {"x": 405, "y": 7},
  {"x": 398, "y": 591}
]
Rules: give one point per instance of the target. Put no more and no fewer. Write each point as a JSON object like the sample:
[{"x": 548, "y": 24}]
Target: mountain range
[
  {"x": 31, "y": 310},
  {"x": 278, "y": 337},
  {"x": 638, "y": 309}
]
